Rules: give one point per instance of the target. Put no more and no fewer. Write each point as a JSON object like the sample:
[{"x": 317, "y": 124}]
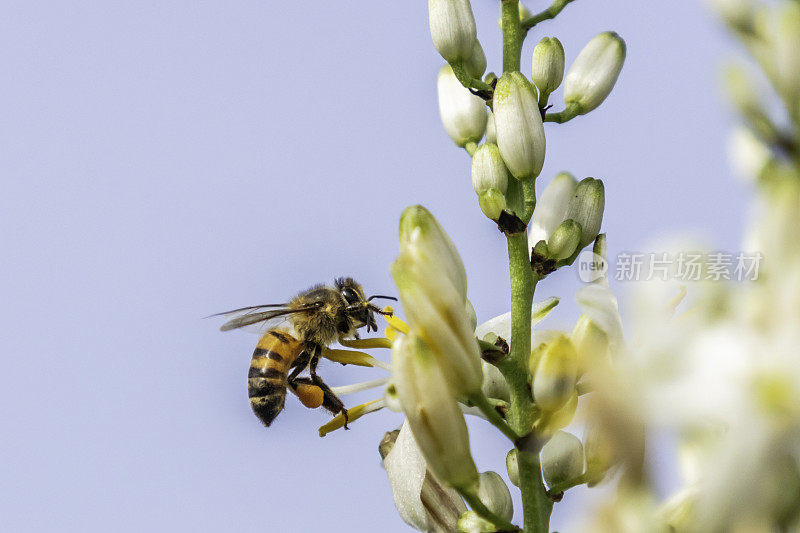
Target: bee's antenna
[{"x": 381, "y": 296}]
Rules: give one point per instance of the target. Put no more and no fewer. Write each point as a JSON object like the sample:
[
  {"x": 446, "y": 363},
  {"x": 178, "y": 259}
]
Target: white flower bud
[
  {"x": 432, "y": 285},
  {"x": 494, "y": 384},
  {"x": 463, "y": 114},
  {"x": 586, "y": 208},
  {"x": 565, "y": 240},
  {"x": 562, "y": 458},
  {"x": 595, "y": 71},
  {"x": 599, "y": 451},
  {"x": 551, "y": 208},
  {"x": 432, "y": 412},
  {"x": 555, "y": 374},
  {"x": 548, "y": 65},
  {"x": 492, "y": 203},
  {"x": 748, "y": 154},
  {"x": 512, "y": 466},
  {"x": 591, "y": 343},
  {"x": 494, "y": 493},
  {"x": 423, "y": 236},
  {"x": 491, "y": 132},
  {"x": 518, "y": 124},
  {"x": 488, "y": 169},
  {"x": 452, "y": 28},
  {"x": 472, "y": 318},
  {"x": 476, "y": 64}
]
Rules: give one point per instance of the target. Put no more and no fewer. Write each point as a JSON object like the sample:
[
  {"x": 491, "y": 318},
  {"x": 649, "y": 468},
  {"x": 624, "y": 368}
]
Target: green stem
[
  {"x": 513, "y": 35},
  {"x": 563, "y": 116},
  {"x": 481, "y": 402},
  {"x": 521, "y": 413},
  {"x": 470, "y": 147},
  {"x": 536, "y": 506},
  {"x": 558, "y": 488},
  {"x": 549, "y": 13},
  {"x": 484, "y": 512},
  {"x": 466, "y": 80}
]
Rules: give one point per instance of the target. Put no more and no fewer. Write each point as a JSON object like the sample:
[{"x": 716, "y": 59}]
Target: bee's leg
[
  {"x": 330, "y": 401},
  {"x": 309, "y": 394},
  {"x": 299, "y": 365}
]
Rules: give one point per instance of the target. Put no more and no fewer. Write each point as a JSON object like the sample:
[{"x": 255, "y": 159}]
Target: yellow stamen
[
  {"x": 352, "y": 414},
  {"x": 397, "y": 324},
  {"x": 352, "y": 357},
  {"x": 390, "y": 333},
  {"x": 377, "y": 342}
]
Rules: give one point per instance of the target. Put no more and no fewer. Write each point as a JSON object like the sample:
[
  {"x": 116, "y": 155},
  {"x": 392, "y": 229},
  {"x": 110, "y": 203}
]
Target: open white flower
[{"x": 423, "y": 501}]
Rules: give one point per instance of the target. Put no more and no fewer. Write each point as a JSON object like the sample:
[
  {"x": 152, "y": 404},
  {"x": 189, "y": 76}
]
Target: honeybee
[{"x": 318, "y": 317}]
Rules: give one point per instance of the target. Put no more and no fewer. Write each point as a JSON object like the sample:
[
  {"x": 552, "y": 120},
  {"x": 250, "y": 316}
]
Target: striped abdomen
[{"x": 266, "y": 381}]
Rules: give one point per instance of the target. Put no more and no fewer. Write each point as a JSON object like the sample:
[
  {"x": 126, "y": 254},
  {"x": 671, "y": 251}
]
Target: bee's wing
[{"x": 246, "y": 316}]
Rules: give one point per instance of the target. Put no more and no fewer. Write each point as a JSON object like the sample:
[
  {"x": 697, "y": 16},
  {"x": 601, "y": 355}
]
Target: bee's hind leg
[{"x": 330, "y": 401}]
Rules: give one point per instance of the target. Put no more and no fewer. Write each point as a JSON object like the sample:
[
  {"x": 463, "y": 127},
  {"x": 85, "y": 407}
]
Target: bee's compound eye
[{"x": 350, "y": 295}]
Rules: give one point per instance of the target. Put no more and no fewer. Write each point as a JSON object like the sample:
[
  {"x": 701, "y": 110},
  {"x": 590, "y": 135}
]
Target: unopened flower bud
[
  {"x": 432, "y": 284},
  {"x": 518, "y": 123},
  {"x": 551, "y": 207},
  {"x": 423, "y": 237},
  {"x": 564, "y": 416},
  {"x": 562, "y": 458},
  {"x": 494, "y": 384},
  {"x": 463, "y": 114},
  {"x": 492, "y": 203},
  {"x": 494, "y": 493},
  {"x": 491, "y": 132},
  {"x": 555, "y": 374},
  {"x": 599, "y": 451},
  {"x": 476, "y": 64},
  {"x": 512, "y": 466},
  {"x": 432, "y": 412},
  {"x": 591, "y": 343},
  {"x": 548, "y": 65},
  {"x": 586, "y": 208},
  {"x": 471, "y": 522},
  {"x": 452, "y": 28},
  {"x": 595, "y": 71},
  {"x": 565, "y": 240},
  {"x": 488, "y": 169},
  {"x": 472, "y": 318}
]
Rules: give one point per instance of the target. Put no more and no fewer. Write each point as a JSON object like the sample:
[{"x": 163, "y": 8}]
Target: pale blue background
[{"x": 164, "y": 160}]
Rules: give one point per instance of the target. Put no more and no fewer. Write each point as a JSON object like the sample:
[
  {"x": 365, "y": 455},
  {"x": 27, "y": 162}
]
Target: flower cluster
[{"x": 525, "y": 383}]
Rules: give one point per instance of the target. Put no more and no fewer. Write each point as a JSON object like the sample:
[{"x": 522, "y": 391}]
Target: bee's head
[{"x": 359, "y": 307}]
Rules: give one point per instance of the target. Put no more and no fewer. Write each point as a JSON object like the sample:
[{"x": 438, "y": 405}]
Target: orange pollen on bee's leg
[{"x": 310, "y": 395}]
